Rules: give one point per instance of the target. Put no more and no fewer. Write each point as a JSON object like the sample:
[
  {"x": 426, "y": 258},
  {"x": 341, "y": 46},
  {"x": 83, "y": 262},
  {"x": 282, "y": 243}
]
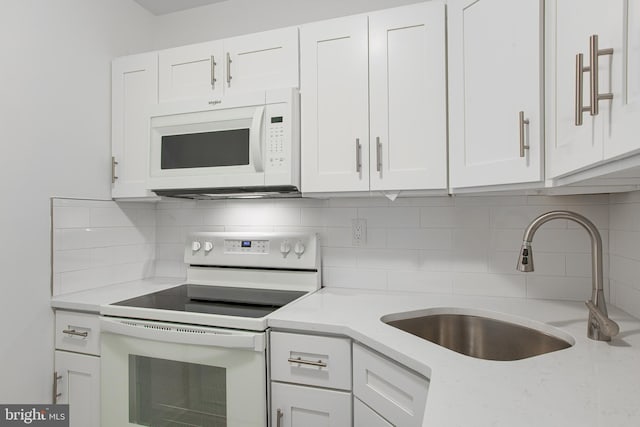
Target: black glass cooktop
[{"x": 228, "y": 301}]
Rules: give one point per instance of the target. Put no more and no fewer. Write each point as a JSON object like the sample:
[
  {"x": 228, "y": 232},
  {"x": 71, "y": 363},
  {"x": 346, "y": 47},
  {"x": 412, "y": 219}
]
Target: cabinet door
[
  {"x": 190, "y": 72},
  {"x": 494, "y": 74},
  {"x": 622, "y": 125},
  {"x": 261, "y": 61},
  {"x": 134, "y": 90},
  {"x": 407, "y": 87},
  {"x": 78, "y": 384},
  {"x": 571, "y": 22},
  {"x": 298, "y": 406},
  {"x": 334, "y": 105},
  {"x": 363, "y": 416}
]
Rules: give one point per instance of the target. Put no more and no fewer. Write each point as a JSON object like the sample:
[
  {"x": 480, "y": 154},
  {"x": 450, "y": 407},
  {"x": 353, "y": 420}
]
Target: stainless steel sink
[{"x": 480, "y": 337}]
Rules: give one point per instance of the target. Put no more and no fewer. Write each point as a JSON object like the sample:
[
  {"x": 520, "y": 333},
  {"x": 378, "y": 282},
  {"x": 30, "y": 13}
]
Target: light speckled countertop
[{"x": 589, "y": 384}]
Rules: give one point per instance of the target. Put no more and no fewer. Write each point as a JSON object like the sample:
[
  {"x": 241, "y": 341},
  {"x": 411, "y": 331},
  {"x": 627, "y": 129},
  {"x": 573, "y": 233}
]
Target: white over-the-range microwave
[{"x": 243, "y": 144}]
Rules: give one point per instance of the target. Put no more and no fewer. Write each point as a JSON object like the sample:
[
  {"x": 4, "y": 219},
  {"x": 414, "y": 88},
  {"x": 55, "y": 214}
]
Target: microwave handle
[{"x": 256, "y": 139}]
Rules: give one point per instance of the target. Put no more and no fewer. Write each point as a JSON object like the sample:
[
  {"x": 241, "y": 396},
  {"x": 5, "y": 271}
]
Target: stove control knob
[
  {"x": 208, "y": 246},
  {"x": 195, "y": 246},
  {"x": 299, "y": 249},
  {"x": 285, "y": 248}
]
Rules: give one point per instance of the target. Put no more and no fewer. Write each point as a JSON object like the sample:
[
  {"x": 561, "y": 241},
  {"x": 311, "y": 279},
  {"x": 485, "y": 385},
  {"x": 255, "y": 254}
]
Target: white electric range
[{"x": 195, "y": 354}]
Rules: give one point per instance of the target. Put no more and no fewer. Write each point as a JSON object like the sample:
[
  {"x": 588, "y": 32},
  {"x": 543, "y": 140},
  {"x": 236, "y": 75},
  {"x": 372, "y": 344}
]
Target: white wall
[
  {"x": 55, "y": 126},
  {"x": 236, "y": 17},
  {"x": 461, "y": 245}
]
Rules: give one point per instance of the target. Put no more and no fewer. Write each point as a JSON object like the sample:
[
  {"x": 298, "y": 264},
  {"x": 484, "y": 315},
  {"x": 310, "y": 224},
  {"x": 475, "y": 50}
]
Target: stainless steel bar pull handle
[
  {"x": 358, "y": 156},
  {"x": 378, "y": 154},
  {"x": 213, "y": 72},
  {"x": 113, "y": 170},
  {"x": 579, "y": 107},
  {"x": 300, "y": 361},
  {"x": 594, "y": 54},
  {"x": 279, "y": 415},
  {"x": 228, "y": 70},
  {"x": 522, "y": 122},
  {"x": 76, "y": 333},
  {"x": 56, "y": 395}
]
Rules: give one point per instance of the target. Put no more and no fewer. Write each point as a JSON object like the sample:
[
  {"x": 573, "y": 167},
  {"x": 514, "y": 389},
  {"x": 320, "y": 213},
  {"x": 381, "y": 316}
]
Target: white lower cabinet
[
  {"x": 77, "y": 384},
  {"x": 312, "y": 378},
  {"x": 301, "y": 406},
  {"x": 320, "y": 369},
  {"x": 76, "y": 379},
  {"x": 395, "y": 393},
  {"x": 363, "y": 416}
]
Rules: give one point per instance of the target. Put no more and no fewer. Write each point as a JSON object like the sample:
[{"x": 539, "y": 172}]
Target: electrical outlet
[{"x": 359, "y": 231}]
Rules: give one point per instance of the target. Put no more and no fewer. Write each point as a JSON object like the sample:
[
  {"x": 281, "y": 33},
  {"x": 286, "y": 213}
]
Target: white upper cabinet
[
  {"x": 408, "y": 98},
  {"x": 189, "y": 72},
  {"x": 495, "y": 92},
  {"x": 134, "y": 91},
  {"x": 261, "y": 61},
  {"x": 334, "y": 105},
  {"x": 373, "y": 95},
  {"x": 576, "y": 138}
]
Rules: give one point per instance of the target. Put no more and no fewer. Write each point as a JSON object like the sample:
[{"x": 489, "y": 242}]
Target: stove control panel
[
  {"x": 288, "y": 250},
  {"x": 235, "y": 246}
]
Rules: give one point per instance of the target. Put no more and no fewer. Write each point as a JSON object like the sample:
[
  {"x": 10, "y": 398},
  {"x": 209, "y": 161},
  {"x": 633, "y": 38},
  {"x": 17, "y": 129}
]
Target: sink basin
[{"x": 480, "y": 337}]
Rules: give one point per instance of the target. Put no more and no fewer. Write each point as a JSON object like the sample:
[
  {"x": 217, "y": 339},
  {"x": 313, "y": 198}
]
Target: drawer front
[
  {"x": 300, "y": 406},
  {"x": 396, "y": 393},
  {"x": 363, "y": 416},
  {"x": 312, "y": 360},
  {"x": 78, "y": 332}
]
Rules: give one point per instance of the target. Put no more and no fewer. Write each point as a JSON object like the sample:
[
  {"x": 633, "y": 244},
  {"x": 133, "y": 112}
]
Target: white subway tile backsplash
[
  {"x": 503, "y": 285},
  {"x": 71, "y": 260},
  {"x": 385, "y": 259},
  {"x": 556, "y": 287},
  {"x": 339, "y": 257},
  {"x": 625, "y": 297},
  {"x": 96, "y": 243},
  {"x": 419, "y": 238},
  {"x": 455, "y": 217},
  {"x": 327, "y": 217},
  {"x": 390, "y": 217},
  {"x": 354, "y": 278},
  {"x": 463, "y": 244},
  {"x": 421, "y": 281},
  {"x": 72, "y": 217}
]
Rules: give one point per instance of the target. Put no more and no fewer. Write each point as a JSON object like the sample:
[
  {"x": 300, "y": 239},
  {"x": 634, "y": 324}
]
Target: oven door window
[
  {"x": 205, "y": 149},
  {"x": 173, "y": 393}
]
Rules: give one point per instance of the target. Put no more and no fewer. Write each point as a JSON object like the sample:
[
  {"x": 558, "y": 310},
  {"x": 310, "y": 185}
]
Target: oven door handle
[{"x": 184, "y": 334}]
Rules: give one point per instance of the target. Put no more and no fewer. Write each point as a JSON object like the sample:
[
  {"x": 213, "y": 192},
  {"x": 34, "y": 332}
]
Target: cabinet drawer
[
  {"x": 363, "y": 416},
  {"x": 398, "y": 394},
  {"x": 328, "y": 360},
  {"x": 299, "y": 406},
  {"x": 78, "y": 332}
]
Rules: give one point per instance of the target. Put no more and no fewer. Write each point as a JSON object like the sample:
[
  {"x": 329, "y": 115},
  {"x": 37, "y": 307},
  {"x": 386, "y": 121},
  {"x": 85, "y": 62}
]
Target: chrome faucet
[{"x": 600, "y": 327}]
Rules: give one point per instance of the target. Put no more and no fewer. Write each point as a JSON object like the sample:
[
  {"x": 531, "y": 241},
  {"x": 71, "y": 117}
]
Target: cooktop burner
[{"x": 227, "y": 301}]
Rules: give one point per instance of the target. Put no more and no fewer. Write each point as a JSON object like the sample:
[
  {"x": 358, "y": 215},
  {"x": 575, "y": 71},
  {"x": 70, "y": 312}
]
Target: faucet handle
[{"x": 607, "y": 326}]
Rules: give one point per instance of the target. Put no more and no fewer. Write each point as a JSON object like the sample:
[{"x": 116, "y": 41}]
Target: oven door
[
  {"x": 214, "y": 148},
  {"x": 163, "y": 374}
]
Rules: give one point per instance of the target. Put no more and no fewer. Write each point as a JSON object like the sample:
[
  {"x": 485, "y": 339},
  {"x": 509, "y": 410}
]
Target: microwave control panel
[{"x": 276, "y": 145}]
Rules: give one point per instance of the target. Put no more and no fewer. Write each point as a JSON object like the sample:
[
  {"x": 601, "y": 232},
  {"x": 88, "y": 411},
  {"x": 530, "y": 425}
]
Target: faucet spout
[{"x": 600, "y": 327}]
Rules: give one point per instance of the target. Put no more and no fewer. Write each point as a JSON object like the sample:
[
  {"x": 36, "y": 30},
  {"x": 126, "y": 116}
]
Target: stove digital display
[{"x": 246, "y": 243}]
